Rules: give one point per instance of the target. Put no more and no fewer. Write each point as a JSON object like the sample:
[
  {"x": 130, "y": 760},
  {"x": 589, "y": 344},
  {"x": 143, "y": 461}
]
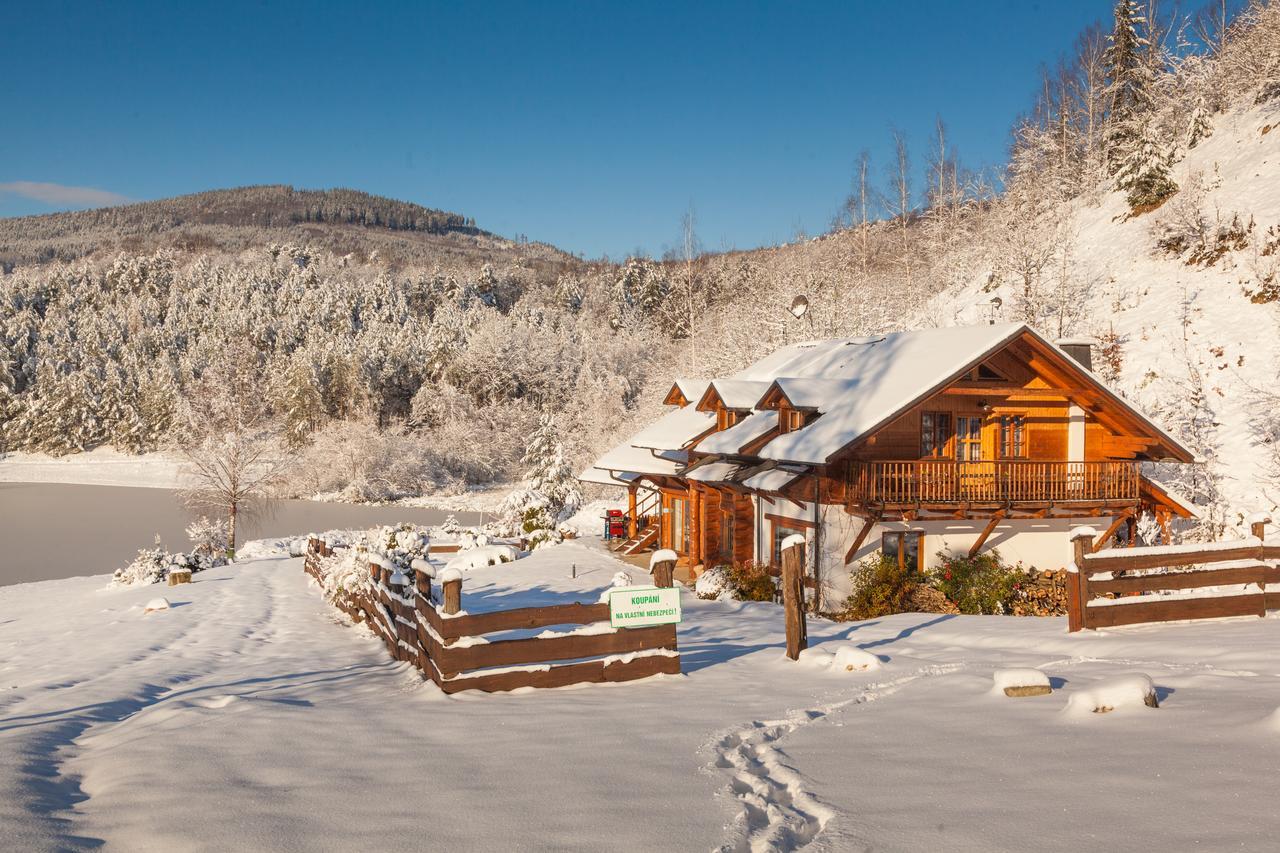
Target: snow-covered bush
[
  {"x": 713, "y": 583},
  {"x": 979, "y": 584},
  {"x": 153, "y": 565},
  {"x": 751, "y": 581},
  {"x": 209, "y": 538}
]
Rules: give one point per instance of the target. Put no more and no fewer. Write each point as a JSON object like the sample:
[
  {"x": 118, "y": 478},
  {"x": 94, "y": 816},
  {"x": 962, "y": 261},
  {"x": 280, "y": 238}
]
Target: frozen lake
[{"x": 58, "y": 530}]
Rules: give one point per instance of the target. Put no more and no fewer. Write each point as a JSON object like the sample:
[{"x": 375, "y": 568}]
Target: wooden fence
[
  {"x": 1135, "y": 576},
  {"x": 449, "y": 646}
]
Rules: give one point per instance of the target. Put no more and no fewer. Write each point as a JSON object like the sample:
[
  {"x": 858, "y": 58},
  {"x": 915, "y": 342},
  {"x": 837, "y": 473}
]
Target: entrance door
[
  {"x": 976, "y": 478},
  {"x": 680, "y": 525}
]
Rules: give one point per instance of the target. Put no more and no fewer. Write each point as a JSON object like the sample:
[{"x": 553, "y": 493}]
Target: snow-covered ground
[
  {"x": 246, "y": 717},
  {"x": 103, "y": 466}
]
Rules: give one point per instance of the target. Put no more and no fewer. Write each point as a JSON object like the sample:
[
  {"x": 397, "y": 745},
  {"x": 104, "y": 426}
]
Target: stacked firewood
[{"x": 1041, "y": 594}]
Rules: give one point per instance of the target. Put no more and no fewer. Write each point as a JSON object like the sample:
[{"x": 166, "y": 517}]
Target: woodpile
[{"x": 1042, "y": 594}]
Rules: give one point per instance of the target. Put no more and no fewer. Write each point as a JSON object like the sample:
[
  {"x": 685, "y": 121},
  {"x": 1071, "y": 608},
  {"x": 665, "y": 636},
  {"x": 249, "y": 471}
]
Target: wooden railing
[
  {"x": 1129, "y": 592},
  {"x": 447, "y": 645},
  {"x": 946, "y": 481}
]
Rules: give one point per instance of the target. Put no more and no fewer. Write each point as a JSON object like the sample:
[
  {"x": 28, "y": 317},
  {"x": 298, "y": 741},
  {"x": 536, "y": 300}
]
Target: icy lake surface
[{"x": 57, "y": 530}]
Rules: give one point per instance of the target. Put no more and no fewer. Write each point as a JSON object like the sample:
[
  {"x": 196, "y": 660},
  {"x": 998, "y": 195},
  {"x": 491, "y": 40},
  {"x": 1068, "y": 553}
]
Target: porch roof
[
  {"x": 731, "y": 441},
  {"x": 713, "y": 472},
  {"x": 675, "y": 430},
  {"x": 627, "y": 459}
]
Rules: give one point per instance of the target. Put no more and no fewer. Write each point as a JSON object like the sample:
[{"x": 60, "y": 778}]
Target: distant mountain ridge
[{"x": 343, "y": 220}]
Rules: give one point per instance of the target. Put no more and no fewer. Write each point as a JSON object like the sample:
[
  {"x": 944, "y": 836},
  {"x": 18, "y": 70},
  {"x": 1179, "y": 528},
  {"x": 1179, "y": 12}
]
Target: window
[
  {"x": 968, "y": 438},
  {"x": 726, "y": 531},
  {"x": 935, "y": 432},
  {"x": 904, "y": 547},
  {"x": 985, "y": 372},
  {"x": 1013, "y": 432},
  {"x": 780, "y": 533},
  {"x": 679, "y": 525}
]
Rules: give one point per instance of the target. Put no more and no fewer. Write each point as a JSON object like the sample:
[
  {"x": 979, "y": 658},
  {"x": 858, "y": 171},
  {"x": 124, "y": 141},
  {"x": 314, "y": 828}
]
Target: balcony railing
[{"x": 945, "y": 481}]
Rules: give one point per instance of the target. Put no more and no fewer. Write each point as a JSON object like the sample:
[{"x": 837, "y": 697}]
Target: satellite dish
[{"x": 799, "y": 306}]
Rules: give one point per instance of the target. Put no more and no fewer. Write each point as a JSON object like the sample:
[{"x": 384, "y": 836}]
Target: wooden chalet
[{"x": 956, "y": 440}]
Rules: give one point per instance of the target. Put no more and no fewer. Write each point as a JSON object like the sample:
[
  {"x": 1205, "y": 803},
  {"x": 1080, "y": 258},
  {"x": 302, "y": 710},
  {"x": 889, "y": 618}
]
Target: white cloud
[{"x": 60, "y": 195}]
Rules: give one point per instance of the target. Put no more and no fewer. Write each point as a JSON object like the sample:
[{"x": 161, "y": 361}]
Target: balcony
[{"x": 1007, "y": 482}]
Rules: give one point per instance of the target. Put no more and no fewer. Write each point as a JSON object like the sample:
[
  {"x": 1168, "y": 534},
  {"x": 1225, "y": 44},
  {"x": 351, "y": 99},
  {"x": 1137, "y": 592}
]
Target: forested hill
[{"x": 341, "y": 220}]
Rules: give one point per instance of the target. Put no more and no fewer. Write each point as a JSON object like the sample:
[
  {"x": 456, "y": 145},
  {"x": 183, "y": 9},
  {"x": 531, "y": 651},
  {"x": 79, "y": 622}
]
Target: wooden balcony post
[
  {"x": 793, "y": 599},
  {"x": 1077, "y": 581}
]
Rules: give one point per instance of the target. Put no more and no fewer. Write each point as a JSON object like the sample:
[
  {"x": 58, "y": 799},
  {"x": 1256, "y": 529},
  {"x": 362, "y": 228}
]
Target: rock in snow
[
  {"x": 1125, "y": 691},
  {"x": 1021, "y": 682},
  {"x": 156, "y": 604}
]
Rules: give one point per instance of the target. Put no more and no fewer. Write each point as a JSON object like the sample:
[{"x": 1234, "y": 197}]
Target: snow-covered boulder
[
  {"x": 1126, "y": 691},
  {"x": 1021, "y": 682},
  {"x": 155, "y": 605}
]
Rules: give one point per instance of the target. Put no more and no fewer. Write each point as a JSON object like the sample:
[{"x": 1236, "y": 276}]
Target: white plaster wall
[{"x": 1035, "y": 543}]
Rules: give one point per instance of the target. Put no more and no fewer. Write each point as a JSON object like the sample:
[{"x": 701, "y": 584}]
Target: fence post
[
  {"x": 1077, "y": 580},
  {"x": 451, "y": 582},
  {"x": 1258, "y": 528},
  {"x": 793, "y": 599},
  {"x": 664, "y": 573}
]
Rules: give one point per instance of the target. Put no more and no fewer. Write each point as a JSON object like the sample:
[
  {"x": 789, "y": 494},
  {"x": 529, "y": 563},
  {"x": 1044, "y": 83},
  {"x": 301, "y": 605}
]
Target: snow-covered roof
[
  {"x": 674, "y": 430},
  {"x": 859, "y": 385},
  {"x": 739, "y": 393},
  {"x": 865, "y": 381},
  {"x": 814, "y": 393},
  {"x": 713, "y": 472},
  {"x": 773, "y": 480},
  {"x": 744, "y": 432},
  {"x": 692, "y": 389},
  {"x": 604, "y": 478},
  {"x": 637, "y": 460}
]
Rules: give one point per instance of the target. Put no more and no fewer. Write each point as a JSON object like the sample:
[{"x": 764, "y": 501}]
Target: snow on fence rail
[
  {"x": 1210, "y": 580},
  {"x": 448, "y": 646}
]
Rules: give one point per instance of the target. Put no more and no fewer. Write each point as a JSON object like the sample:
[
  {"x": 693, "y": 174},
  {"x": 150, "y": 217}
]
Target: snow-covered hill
[{"x": 1182, "y": 293}]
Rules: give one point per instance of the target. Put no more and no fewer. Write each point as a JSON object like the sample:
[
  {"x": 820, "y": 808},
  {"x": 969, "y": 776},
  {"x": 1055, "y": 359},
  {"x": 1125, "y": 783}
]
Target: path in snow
[{"x": 248, "y": 699}]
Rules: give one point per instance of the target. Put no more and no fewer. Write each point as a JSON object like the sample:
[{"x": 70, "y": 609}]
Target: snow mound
[
  {"x": 1021, "y": 682},
  {"x": 156, "y": 604},
  {"x": 842, "y": 657},
  {"x": 663, "y": 555},
  {"x": 793, "y": 540},
  {"x": 1126, "y": 691},
  {"x": 482, "y": 556}
]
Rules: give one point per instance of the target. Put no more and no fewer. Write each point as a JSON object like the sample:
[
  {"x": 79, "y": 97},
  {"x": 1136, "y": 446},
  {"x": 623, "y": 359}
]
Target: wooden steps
[{"x": 644, "y": 539}]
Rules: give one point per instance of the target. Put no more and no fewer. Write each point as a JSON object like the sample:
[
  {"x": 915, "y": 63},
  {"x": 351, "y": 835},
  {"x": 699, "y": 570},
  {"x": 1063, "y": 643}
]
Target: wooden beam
[
  {"x": 986, "y": 531},
  {"x": 1008, "y": 390},
  {"x": 1105, "y": 539},
  {"x": 859, "y": 539}
]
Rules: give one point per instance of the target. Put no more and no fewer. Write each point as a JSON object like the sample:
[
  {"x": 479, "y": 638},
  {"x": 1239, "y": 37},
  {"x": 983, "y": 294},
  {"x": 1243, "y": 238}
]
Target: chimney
[{"x": 1081, "y": 349}]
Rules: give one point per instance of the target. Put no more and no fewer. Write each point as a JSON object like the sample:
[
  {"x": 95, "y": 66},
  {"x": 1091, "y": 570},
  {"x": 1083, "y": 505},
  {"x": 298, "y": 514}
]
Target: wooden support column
[
  {"x": 793, "y": 599},
  {"x": 861, "y": 538},
  {"x": 631, "y": 511},
  {"x": 986, "y": 532},
  {"x": 1077, "y": 582},
  {"x": 1104, "y": 540}
]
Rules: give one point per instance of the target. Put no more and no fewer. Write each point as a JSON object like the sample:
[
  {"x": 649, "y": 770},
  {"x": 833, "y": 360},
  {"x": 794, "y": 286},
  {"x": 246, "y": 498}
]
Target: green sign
[{"x": 643, "y": 606}]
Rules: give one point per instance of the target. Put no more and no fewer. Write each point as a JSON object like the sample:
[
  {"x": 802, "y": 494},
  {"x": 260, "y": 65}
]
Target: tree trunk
[{"x": 232, "y": 511}]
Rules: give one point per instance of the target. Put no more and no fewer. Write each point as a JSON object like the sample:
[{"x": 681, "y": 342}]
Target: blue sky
[{"x": 592, "y": 126}]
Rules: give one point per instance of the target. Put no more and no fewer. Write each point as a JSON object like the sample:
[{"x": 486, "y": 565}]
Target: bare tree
[
  {"x": 898, "y": 201},
  {"x": 231, "y": 449}
]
